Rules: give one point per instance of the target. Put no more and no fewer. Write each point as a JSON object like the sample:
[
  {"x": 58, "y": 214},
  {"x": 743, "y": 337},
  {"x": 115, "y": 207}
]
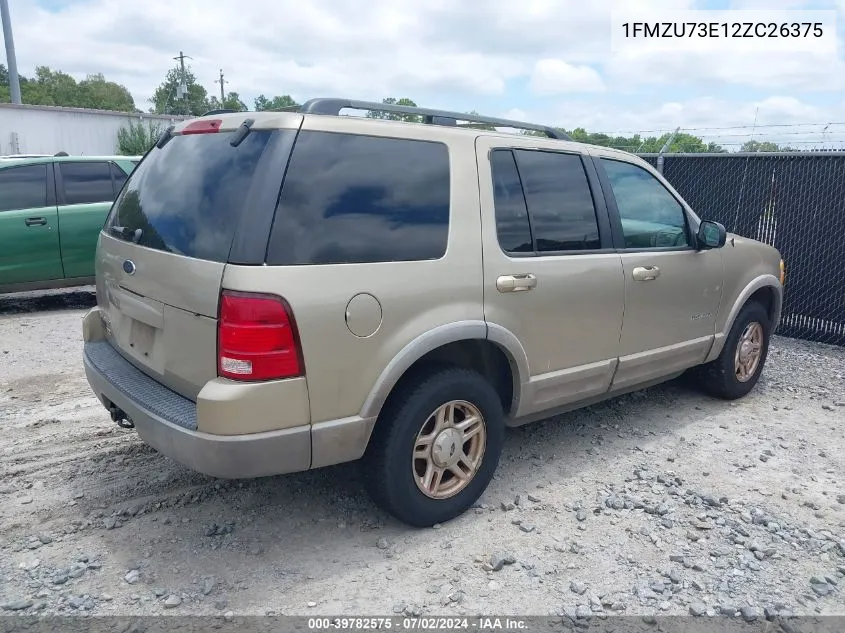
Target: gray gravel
[{"x": 653, "y": 503}]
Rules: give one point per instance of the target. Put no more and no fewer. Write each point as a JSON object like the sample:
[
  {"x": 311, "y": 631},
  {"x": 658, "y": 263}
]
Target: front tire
[
  {"x": 435, "y": 447},
  {"x": 737, "y": 369}
]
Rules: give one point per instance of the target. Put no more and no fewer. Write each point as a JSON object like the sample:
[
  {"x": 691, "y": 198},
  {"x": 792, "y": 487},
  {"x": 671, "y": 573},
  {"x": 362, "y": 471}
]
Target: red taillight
[
  {"x": 257, "y": 338},
  {"x": 204, "y": 126}
]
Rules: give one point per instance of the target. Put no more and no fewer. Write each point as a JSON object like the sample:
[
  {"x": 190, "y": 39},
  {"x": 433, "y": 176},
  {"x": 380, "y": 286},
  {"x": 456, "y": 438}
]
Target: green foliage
[
  {"x": 391, "y": 116},
  {"x": 165, "y": 100},
  {"x": 56, "y": 88},
  {"x": 231, "y": 102},
  {"x": 649, "y": 145},
  {"x": 137, "y": 138},
  {"x": 96, "y": 92},
  {"x": 765, "y": 146},
  {"x": 262, "y": 103}
]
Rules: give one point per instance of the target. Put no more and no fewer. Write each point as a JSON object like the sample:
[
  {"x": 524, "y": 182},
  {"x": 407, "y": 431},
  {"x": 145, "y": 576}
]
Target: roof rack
[
  {"x": 220, "y": 111},
  {"x": 333, "y": 106}
]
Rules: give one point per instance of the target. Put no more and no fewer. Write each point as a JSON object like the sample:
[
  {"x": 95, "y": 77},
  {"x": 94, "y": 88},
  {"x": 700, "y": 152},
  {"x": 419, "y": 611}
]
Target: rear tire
[
  {"x": 443, "y": 423},
  {"x": 737, "y": 369}
]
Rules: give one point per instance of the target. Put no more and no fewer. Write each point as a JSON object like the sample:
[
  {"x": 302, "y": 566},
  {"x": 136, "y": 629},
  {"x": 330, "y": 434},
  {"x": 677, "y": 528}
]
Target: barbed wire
[
  {"x": 727, "y": 127},
  {"x": 697, "y": 146}
]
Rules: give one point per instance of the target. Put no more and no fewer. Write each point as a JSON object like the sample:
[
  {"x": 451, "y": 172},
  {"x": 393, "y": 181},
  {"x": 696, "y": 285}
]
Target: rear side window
[
  {"x": 512, "y": 225},
  {"x": 560, "y": 204},
  {"x": 357, "y": 199},
  {"x": 188, "y": 196},
  {"x": 23, "y": 187},
  {"x": 543, "y": 202},
  {"x": 85, "y": 183}
]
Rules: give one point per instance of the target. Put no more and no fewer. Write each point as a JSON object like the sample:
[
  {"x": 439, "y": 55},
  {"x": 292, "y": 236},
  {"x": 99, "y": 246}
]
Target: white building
[{"x": 36, "y": 129}]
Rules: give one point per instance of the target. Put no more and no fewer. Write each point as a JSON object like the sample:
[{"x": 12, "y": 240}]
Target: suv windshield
[{"x": 187, "y": 197}]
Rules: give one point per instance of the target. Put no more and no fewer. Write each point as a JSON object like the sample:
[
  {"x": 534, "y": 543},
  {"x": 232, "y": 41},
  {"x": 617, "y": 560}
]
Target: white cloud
[
  {"x": 555, "y": 76},
  {"x": 804, "y": 71},
  {"x": 442, "y": 53},
  {"x": 727, "y": 122}
]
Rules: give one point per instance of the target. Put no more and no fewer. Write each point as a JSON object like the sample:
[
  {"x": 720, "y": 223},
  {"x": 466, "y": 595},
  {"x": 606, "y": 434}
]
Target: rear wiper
[
  {"x": 127, "y": 233},
  {"x": 165, "y": 136},
  {"x": 241, "y": 133}
]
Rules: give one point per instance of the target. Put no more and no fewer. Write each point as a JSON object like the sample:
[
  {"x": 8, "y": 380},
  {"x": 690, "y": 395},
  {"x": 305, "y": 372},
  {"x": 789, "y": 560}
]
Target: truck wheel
[
  {"x": 737, "y": 369},
  {"x": 435, "y": 447}
]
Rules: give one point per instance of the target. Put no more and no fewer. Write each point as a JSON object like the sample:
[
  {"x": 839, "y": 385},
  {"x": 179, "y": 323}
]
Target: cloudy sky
[{"x": 544, "y": 60}]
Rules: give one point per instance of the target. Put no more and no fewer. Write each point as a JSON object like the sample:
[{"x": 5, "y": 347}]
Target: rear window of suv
[
  {"x": 350, "y": 199},
  {"x": 187, "y": 197}
]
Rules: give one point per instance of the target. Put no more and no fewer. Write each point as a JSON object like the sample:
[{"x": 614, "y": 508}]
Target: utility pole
[
  {"x": 221, "y": 81},
  {"x": 182, "y": 90},
  {"x": 14, "y": 80}
]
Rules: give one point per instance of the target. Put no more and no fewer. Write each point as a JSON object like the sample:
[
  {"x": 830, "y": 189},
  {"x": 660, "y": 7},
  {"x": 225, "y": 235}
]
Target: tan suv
[{"x": 280, "y": 291}]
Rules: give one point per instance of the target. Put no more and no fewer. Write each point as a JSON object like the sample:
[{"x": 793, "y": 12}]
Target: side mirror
[{"x": 711, "y": 235}]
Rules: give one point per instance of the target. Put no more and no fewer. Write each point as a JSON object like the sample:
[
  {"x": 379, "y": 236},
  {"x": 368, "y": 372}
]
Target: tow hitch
[{"x": 123, "y": 421}]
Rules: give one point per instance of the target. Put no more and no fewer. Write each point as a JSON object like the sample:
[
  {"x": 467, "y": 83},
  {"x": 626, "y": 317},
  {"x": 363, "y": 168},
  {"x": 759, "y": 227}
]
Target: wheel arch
[
  {"x": 473, "y": 344},
  {"x": 765, "y": 289}
]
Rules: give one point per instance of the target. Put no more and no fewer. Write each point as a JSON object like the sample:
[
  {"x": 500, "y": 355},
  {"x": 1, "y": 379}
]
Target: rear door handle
[
  {"x": 516, "y": 283},
  {"x": 646, "y": 273},
  {"x": 35, "y": 221}
]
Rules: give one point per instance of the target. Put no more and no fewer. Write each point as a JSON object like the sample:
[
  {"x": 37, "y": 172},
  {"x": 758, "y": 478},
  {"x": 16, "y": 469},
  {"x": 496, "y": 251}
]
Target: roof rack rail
[
  {"x": 332, "y": 106},
  {"x": 220, "y": 111}
]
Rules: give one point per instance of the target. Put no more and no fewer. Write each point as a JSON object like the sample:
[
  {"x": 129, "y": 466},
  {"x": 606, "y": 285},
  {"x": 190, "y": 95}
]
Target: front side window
[
  {"x": 23, "y": 187},
  {"x": 651, "y": 216},
  {"x": 351, "y": 199}
]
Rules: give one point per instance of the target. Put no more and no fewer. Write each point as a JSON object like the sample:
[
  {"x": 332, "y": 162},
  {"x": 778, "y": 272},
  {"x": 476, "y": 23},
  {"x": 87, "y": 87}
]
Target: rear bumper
[{"x": 169, "y": 422}]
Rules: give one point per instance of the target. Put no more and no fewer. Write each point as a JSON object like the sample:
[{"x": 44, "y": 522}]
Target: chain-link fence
[{"x": 794, "y": 201}]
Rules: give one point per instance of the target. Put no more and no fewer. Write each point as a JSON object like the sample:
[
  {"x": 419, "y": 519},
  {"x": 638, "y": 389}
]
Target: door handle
[
  {"x": 35, "y": 221},
  {"x": 646, "y": 273},
  {"x": 516, "y": 283}
]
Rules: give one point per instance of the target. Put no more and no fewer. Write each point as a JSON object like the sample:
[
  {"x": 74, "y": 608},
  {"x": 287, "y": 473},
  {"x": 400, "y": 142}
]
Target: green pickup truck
[{"x": 51, "y": 212}]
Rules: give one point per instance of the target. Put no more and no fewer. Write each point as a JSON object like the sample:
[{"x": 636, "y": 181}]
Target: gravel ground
[{"x": 660, "y": 502}]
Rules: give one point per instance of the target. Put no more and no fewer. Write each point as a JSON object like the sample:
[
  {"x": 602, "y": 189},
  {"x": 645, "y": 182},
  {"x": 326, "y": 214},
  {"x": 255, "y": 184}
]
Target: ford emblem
[{"x": 129, "y": 267}]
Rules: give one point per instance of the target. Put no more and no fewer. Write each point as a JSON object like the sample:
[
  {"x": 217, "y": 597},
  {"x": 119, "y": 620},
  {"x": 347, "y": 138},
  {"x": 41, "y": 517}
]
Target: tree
[
  {"x": 136, "y": 139},
  {"x": 262, "y": 103},
  {"x": 764, "y": 146},
  {"x": 96, "y": 92},
  {"x": 391, "y": 116},
  {"x": 50, "y": 87},
  {"x": 165, "y": 100},
  {"x": 5, "y": 89},
  {"x": 57, "y": 88},
  {"x": 231, "y": 102},
  {"x": 636, "y": 144}
]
